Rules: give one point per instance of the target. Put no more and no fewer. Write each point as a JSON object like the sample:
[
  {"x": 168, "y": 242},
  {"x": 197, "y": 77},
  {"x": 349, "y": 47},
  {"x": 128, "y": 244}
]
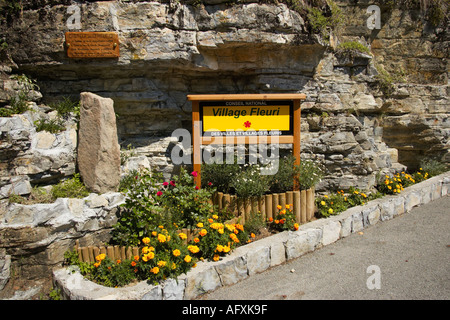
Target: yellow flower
[
  {"x": 219, "y": 248},
  {"x": 100, "y": 257},
  {"x": 145, "y": 258},
  {"x": 97, "y": 264},
  {"x": 193, "y": 249},
  {"x": 210, "y": 220},
  {"x": 199, "y": 225},
  {"x": 182, "y": 236},
  {"x": 174, "y": 266},
  {"x": 176, "y": 252},
  {"x": 146, "y": 240},
  {"x": 161, "y": 238},
  {"x": 283, "y": 211},
  {"x": 288, "y": 206},
  {"x": 330, "y": 211},
  {"x": 145, "y": 250},
  {"x": 154, "y": 233},
  {"x": 216, "y": 257},
  {"x": 155, "y": 270},
  {"x": 161, "y": 263},
  {"x": 150, "y": 255},
  {"x": 161, "y": 227},
  {"x": 215, "y": 216},
  {"x": 296, "y": 226},
  {"x": 203, "y": 232},
  {"x": 187, "y": 259},
  {"x": 226, "y": 249},
  {"x": 220, "y": 230},
  {"x": 279, "y": 207},
  {"x": 323, "y": 203}
]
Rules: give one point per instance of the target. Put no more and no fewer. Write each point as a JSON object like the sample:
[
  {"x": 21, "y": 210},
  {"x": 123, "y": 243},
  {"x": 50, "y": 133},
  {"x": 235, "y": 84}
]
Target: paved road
[{"x": 411, "y": 255}]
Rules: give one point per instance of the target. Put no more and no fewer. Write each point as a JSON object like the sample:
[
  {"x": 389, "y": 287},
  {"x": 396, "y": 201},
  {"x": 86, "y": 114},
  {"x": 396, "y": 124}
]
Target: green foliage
[
  {"x": 216, "y": 239},
  {"x": 323, "y": 20},
  {"x": 37, "y": 195},
  {"x": 338, "y": 202},
  {"x": 250, "y": 183},
  {"x": 66, "y": 107},
  {"x": 151, "y": 201},
  {"x": 220, "y": 175},
  {"x": 309, "y": 173},
  {"x": 283, "y": 180},
  {"x": 71, "y": 188},
  {"x": 350, "y": 48},
  {"x": 19, "y": 103},
  {"x": 283, "y": 220},
  {"x": 49, "y": 125},
  {"x": 254, "y": 223},
  {"x": 433, "y": 167}
]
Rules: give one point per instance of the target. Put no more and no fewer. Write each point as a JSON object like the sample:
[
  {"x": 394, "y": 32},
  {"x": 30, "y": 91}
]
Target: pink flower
[
  {"x": 165, "y": 183},
  {"x": 194, "y": 174},
  {"x": 159, "y": 193},
  {"x": 209, "y": 183},
  {"x": 172, "y": 183},
  {"x": 196, "y": 188}
]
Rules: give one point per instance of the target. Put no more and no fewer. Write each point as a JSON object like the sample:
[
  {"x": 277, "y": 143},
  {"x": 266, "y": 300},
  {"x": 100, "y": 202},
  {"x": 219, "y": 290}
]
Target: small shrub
[
  {"x": 49, "y": 125},
  {"x": 309, "y": 173},
  {"x": 71, "y": 188},
  {"x": 433, "y": 167},
  {"x": 249, "y": 183},
  {"x": 216, "y": 239},
  {"x": 284, "y": 219},
  {"x": 220, "y": 175},
  {"x": 66, "y": 107}
]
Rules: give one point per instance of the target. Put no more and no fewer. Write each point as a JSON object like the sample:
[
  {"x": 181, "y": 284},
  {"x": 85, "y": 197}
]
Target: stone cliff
[{"x": 364, "y": 112}]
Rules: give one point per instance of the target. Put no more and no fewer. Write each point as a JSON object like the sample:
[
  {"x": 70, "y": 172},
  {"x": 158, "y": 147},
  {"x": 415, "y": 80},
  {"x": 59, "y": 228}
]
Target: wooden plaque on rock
[{"x": 92, "y": 44}]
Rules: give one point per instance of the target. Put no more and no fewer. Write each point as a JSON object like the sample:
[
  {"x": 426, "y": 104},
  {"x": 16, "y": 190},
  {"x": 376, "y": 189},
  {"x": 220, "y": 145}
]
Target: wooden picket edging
[
  {"x": 302, "y": 204},
  {"x": 88, "y": 254}
]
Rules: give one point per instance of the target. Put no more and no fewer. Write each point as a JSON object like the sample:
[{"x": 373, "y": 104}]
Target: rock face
[
  {"x": 98, "y": 147},
  {"x": 171, "y": 49},
  {"x": 29, "y": 157}
]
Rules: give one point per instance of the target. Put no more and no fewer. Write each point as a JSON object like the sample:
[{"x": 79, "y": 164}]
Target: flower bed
[{"x": 260, "y": 255}]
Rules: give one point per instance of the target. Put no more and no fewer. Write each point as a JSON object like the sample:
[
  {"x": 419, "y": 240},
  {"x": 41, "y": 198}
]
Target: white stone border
[{"x": 262, "y": 254}]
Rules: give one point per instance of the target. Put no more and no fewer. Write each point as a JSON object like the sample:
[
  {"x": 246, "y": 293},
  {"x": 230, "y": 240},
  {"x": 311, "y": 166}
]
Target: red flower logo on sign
[{"x": 247, "y": 124}]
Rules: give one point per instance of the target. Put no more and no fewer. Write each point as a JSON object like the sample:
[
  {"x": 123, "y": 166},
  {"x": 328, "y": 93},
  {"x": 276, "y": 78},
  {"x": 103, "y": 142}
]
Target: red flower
[
  {"x": 194, "y": 174},
  {"x": 247, "y": 124},
  {"x": 172, "y": 183},
  {"x": 209, "y": 183},
  {"x": 196, "y": 188},
  {"x": 165, "y": 183},
  {"x": 159, "y": 193}
]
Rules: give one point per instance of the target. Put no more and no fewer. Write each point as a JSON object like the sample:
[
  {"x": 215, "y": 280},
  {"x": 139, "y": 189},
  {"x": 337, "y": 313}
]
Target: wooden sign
[
  {"x": 92, "y": 44},
  {"x": 266, "y": 113},
  {"x": 246, "y": 118}
]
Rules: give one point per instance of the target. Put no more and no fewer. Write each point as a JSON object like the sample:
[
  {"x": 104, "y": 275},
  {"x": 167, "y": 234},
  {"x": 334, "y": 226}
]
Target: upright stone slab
[{"x": 98, "y": 147}]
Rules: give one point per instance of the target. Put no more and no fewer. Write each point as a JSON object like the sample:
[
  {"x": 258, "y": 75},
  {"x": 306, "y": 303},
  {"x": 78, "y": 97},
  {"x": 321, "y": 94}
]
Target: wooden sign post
[{"x": 244, "y": 118}]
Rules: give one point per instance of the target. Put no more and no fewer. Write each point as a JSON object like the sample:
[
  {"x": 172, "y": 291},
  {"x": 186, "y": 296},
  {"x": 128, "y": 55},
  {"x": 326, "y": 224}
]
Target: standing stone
[{"x": 98, "y": 147}]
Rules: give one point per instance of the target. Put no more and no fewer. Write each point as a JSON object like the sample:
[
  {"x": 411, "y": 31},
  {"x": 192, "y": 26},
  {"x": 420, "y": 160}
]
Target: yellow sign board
[{"x": 246, "y": 118}]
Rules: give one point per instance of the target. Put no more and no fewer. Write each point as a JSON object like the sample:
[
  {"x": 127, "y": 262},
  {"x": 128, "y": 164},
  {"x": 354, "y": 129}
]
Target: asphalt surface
[{"x": 405, "y": 258}]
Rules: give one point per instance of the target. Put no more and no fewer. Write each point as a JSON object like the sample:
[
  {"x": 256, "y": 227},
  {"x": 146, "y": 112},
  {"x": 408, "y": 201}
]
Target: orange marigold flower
[
  {"x": 136, "y": 258},
  {"x": 196, "y": 240},
  {"x": 133, "y": 263},
  {"x": 279, "y": 207},
  {"x": 155, "y": 270},
  {"x": 270, "y": 219},
  {"x": 216, "y": 257},
  {"x": 146, "y": 240},
  {"x": 187, "y": 259},
  {"x": 176, "y": 252},
  {"x": 97, "y": 264},
  {"x": 119, "y": 261},
  {"x": 296, "y": 226},
  {"x": 277, "y": 221},
  {"x": 203, "y": 232}
]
